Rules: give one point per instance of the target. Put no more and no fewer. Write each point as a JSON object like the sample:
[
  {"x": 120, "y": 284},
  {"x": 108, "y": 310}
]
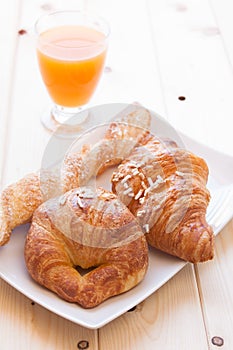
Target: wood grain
[
  {"x": 134, "y": 74},
  {"x": 8, "y": 40},
  {"x": 158, "y": 322},
  {"x": 193, "y": 63},
  {"x": 222, "y": 12},
  {"x": 25, "y": 325},
  {"x": 216, "y": 285}
]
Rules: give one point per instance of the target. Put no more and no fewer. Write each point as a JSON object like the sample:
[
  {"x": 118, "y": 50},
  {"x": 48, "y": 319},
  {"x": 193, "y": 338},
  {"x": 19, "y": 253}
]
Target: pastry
[
  {"x": 89, "y": 229},
  {"x": 164, "y": 186},
  {"x": 120, "y": 138}
]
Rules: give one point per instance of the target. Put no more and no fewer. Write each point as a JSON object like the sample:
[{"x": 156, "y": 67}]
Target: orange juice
[{"x": 71, "y": 60}]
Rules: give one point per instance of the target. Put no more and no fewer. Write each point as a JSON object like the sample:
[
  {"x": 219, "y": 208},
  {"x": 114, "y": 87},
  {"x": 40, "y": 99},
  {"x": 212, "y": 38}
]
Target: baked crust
[
  {"x": 164, "y": 186},
  {"x": 86, "y": 228}
]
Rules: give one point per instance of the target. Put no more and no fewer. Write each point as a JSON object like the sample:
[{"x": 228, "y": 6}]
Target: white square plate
[{"x": 161, "y": 266}]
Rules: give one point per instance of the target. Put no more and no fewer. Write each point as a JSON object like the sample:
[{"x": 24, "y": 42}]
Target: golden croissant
[
  {"x": 18, "y": 201},
  {"x": 88, "y": 229},
  {"x": 164, "y": 186}
]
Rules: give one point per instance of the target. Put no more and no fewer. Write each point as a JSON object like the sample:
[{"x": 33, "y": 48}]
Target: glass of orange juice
[{"x": 71, "y": 51}]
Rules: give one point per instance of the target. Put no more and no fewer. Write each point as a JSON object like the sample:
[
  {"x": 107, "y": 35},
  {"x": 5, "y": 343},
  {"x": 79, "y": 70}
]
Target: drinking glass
[{"x": 71, "y": 51}]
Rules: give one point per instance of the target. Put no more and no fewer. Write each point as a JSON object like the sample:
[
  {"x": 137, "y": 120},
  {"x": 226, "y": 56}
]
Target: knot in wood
[
  {"x": 218, "y": 341},
  {"x": 83, "y": 344}
]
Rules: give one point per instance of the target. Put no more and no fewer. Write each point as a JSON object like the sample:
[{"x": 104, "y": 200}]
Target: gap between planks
[
  {"x": 199, "y": 290},
  {"x": 8, "y": 107}
]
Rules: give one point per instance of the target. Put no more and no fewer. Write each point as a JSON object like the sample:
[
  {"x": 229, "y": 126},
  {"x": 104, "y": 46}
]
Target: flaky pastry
[
  {"x": 88, "y": 229},
  {"x": 164, "y": 186}
]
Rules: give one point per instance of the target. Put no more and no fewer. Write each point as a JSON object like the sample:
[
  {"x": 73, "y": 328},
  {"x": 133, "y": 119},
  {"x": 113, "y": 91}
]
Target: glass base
[{"x": 66, "y": 122}]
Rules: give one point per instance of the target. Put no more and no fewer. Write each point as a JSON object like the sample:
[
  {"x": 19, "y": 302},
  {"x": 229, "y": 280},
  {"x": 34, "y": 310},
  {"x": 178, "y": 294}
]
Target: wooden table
[{"x": 175, "y": 57}]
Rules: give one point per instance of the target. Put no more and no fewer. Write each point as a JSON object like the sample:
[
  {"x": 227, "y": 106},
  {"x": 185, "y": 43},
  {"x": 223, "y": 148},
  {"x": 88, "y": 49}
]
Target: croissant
[
  {"x": 89, "y": 229},
  {"x": 119, "y": 140},
  {"x": 18, "y": 201},
  {"x": 164, "y": 186}
]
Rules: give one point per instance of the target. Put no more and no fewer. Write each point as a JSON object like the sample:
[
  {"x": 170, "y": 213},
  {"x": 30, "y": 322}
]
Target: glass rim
[{"x": 89, "y": 14}]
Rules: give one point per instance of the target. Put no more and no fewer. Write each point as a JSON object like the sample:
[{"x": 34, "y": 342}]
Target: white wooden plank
[
  {"x": 134, "y": 74},
  {"x": 25, "y": 129},
  {"x": 8, "y": 41},
  {"x": 222, "y": 10},
  {"x": 25, "y": 325},
  {"x": 216, "y": 285},
  {"x": 193, "y": 63},
  {"x": 170, "y": 319}
]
